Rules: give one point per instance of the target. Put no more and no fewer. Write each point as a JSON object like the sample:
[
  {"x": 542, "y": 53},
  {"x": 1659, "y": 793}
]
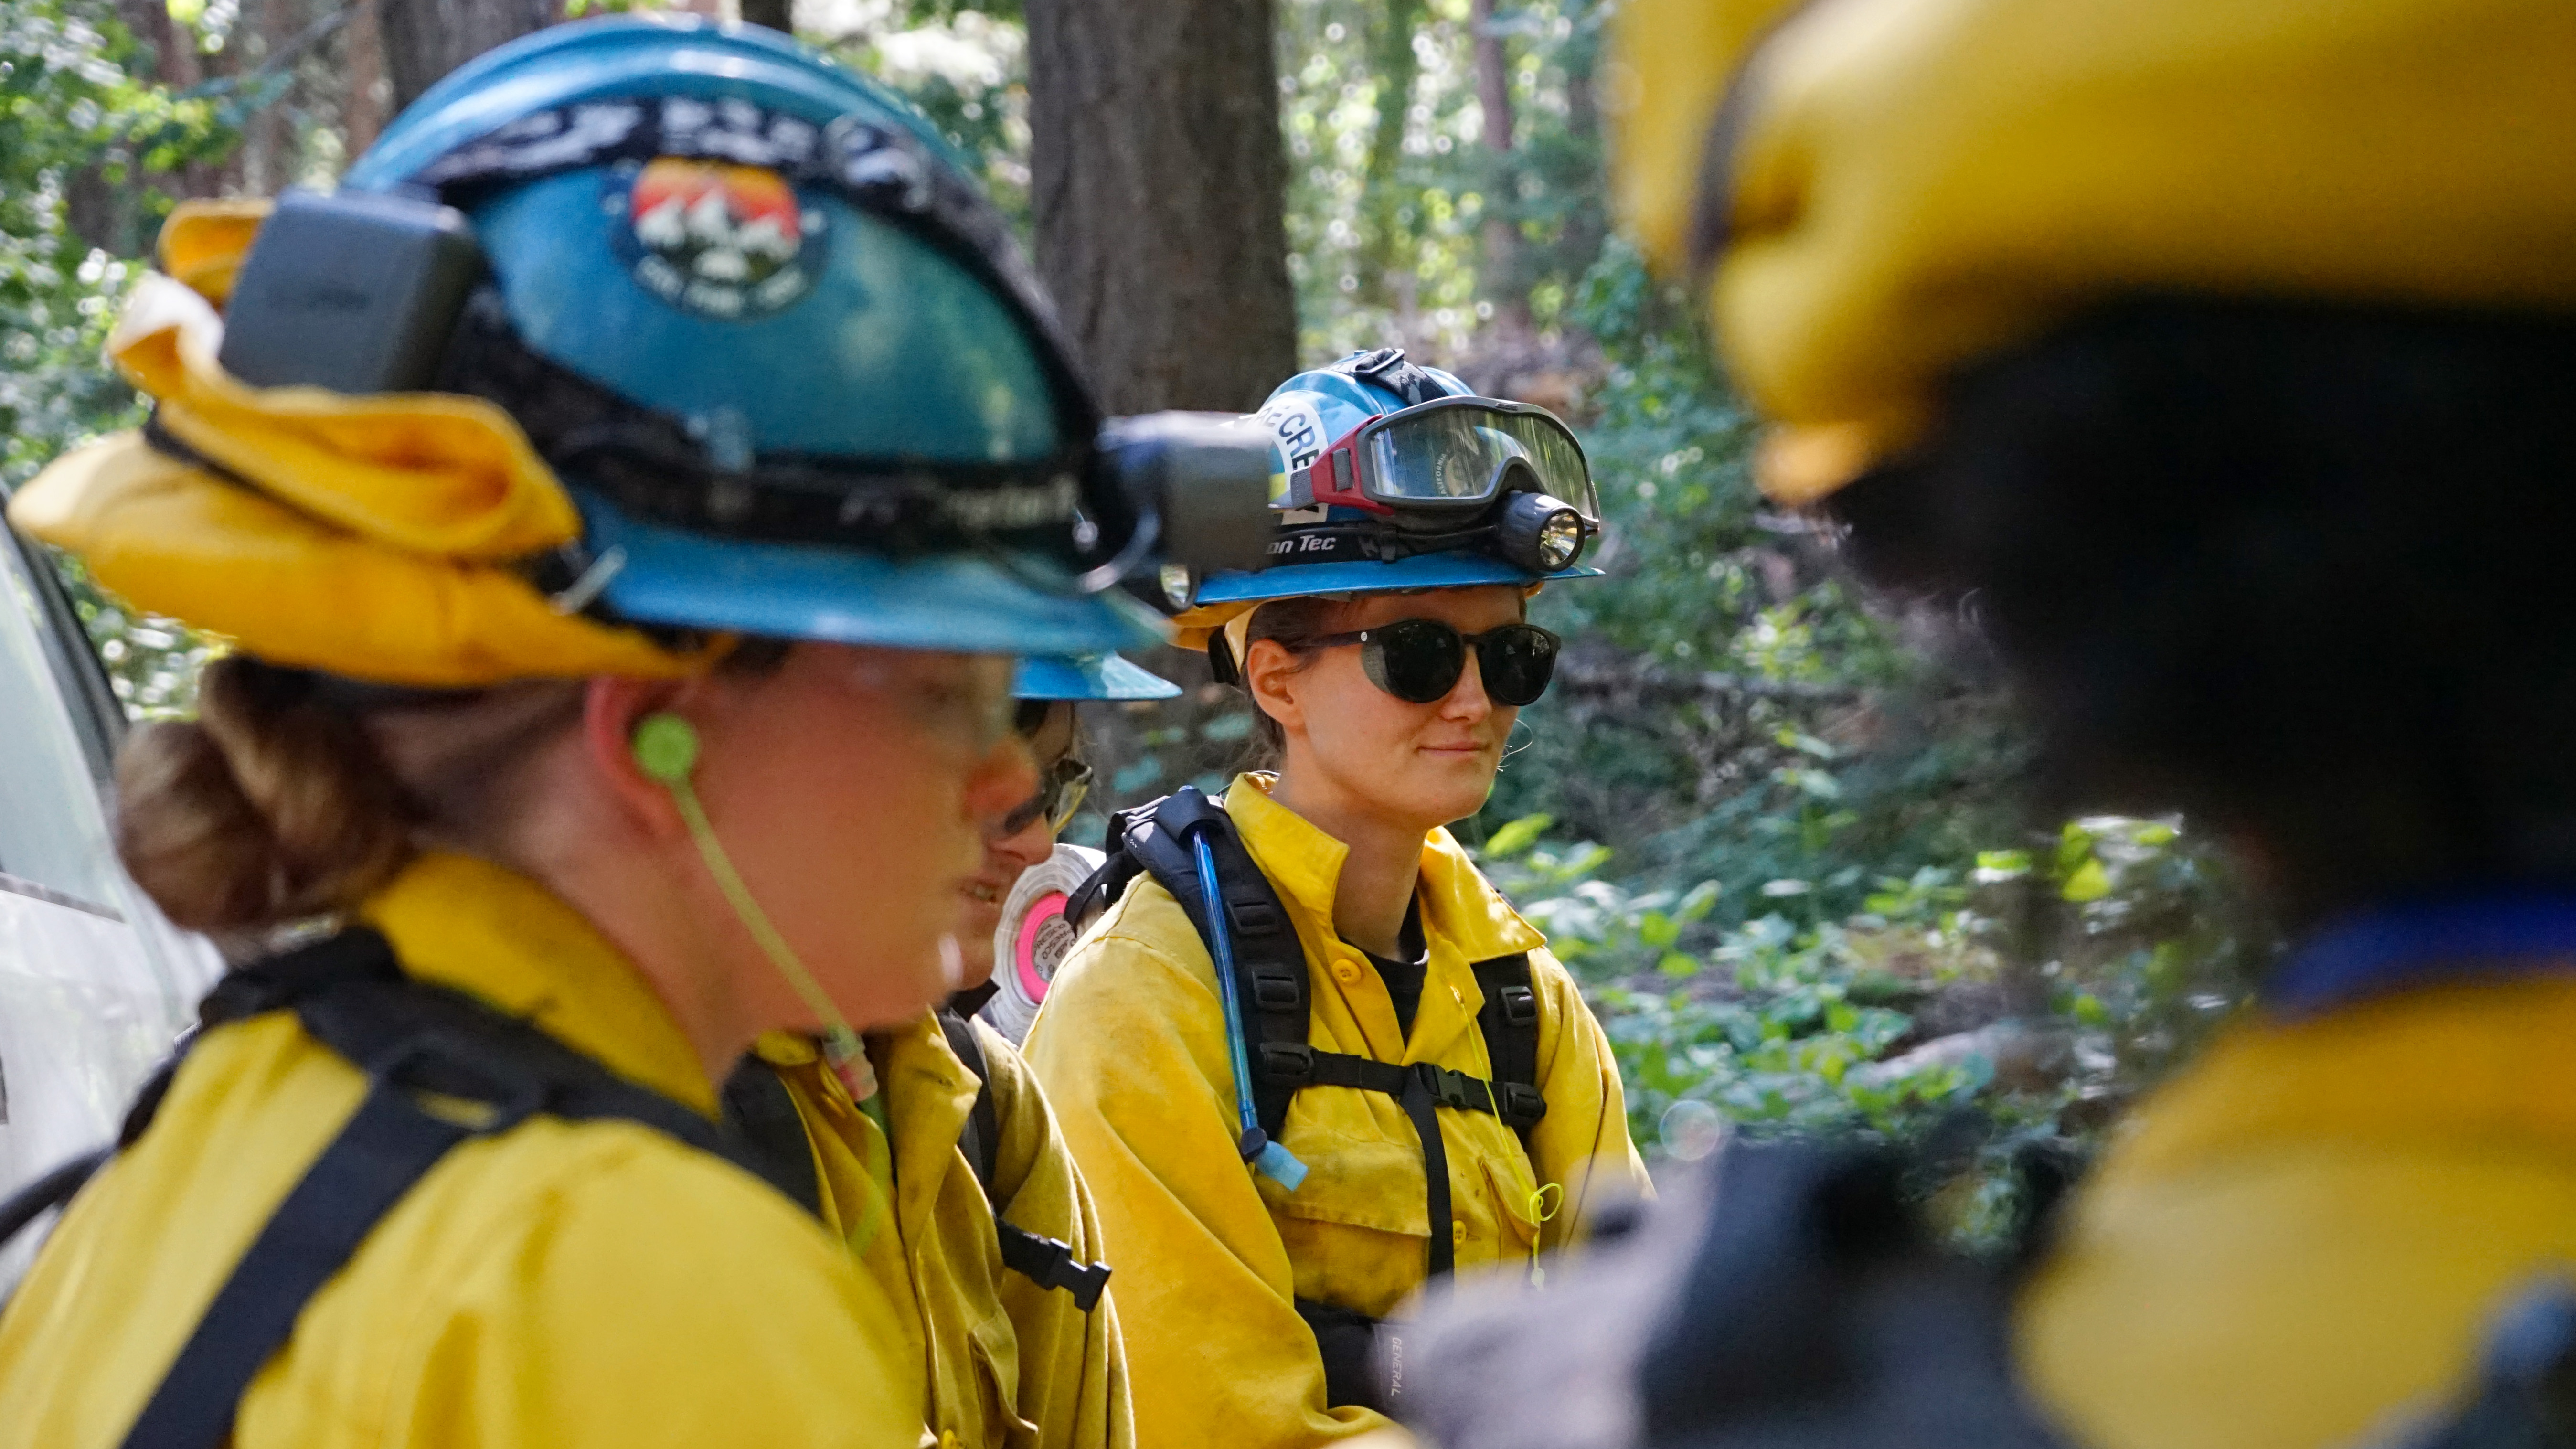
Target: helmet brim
[
  {"x": 1097, "y": 676},
  {"x": 959, "y": 602},
  {"x": 1425, "y": 571}
]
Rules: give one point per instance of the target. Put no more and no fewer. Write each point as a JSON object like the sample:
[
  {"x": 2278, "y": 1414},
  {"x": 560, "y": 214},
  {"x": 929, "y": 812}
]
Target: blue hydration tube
[{"x": 1267, "y": 1157}]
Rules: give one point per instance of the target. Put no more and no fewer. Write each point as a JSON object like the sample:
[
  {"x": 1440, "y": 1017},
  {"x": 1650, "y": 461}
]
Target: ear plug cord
[{"x": 666, "y": 750}]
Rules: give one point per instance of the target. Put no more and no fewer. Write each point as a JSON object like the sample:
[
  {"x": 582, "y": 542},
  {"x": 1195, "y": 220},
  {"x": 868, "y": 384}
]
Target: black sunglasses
[
  {"x": 1419, "y": 660},
  {"x": 1060, "y": 793}
]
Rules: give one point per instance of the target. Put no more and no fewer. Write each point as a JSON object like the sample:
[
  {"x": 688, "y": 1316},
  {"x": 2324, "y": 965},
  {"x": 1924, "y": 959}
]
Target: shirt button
[
  {"x": 1347, "y": 972},
  {"x": 1458, "y": 1233}
]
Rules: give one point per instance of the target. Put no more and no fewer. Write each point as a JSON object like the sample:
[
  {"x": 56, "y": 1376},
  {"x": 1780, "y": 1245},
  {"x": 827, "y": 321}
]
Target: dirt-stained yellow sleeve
[
  {"x": 1073, "y": 1365},
  {"x": 1582, "y": 1142}
]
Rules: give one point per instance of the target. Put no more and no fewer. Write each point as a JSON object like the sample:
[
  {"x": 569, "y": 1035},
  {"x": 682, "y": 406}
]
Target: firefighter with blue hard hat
[
  {"x": 1312, "y": 1060},
  {"x": 624, "y": 498}
]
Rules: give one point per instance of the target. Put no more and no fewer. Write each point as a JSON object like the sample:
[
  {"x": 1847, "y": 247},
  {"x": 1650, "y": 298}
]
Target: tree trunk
[
  {"x": 776, "y": 14},
  {"x": 362, "y": 51},
  {"x": 425, "y": 39},
  {"x": 1500, "y": 280},
  {"x": 1159, "y": 187}
]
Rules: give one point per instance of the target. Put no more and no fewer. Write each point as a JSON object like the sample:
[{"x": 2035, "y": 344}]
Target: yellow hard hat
[{"x": 1884, "y": 190}]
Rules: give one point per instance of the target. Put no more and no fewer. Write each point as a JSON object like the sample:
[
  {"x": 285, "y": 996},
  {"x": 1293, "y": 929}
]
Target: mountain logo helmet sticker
[{"x": 720, "y": 240}]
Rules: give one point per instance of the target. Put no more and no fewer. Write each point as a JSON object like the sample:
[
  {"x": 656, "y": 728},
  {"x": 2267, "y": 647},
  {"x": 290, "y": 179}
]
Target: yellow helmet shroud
[
  {"x": 1911, "y": 184},
  {"x": 377, "y": 534}
]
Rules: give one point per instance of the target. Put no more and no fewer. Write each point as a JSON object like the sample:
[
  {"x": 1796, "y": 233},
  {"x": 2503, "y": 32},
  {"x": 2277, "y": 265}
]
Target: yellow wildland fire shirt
[
  {"x": 1133, "y": 1052},
  {"x": 2313, "y": 1228},
  {"x": 558, "y": 1284},
  {"x": 1003, "y": 1361}
]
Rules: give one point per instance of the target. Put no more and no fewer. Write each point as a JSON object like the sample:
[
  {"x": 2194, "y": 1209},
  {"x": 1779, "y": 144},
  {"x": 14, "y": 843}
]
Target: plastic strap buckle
[
  {"x": 1520, "y": 1103},
  {"x": 1520, "y": 1006},
  {"x": 1287, "y": 1061},
  {"x": 1454, "y": 1090},
  {"x": 1274, "y": 989}
]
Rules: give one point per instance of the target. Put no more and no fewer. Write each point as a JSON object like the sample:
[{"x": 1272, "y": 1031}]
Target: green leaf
[
  {"x": 1678, "y": 963},
  {"x": 2089, "y": 883},
  {"x": 1517, "y": 836}
]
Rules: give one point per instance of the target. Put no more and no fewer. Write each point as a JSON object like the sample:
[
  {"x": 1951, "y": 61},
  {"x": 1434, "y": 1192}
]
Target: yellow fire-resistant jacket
[
  {"x": 1132, "y": 1049},
  {"x": 1003, "y": 1361},
  {"x": 2312, "y": 1228},
  {"x": 559, "y": 1284}
]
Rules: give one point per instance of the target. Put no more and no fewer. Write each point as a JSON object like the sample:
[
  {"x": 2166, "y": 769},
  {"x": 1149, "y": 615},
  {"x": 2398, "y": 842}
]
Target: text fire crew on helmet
[
  {"x": 623, "y": 628},
  {"x": 2222, "y": 353},
  {"x": 974, "y": 1158},
  {"x": 1256, "y": 1132}
]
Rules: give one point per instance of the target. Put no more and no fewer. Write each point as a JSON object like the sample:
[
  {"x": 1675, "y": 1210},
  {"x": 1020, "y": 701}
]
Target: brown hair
[
  {"x": 1296, "y": 624},
  {"x": 279, "y": 803}
]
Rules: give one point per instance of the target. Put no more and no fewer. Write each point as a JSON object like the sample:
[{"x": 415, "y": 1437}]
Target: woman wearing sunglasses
[
  {"x": 1281, "y": 1161},
  {"x": 1013, "y": 1338}
]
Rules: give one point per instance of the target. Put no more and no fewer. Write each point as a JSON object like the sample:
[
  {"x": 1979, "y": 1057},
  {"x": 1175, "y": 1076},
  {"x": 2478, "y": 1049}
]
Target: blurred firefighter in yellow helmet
[{"x": 2223, "y": 353}]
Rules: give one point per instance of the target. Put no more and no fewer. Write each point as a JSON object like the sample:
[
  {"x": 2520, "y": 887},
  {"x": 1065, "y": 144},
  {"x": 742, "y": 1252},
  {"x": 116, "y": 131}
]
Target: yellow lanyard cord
[
  {"x": 840, "y": 1045},
  {"x": 1538, "y": 1210}
]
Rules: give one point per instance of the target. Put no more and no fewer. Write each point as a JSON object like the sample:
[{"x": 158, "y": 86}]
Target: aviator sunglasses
[
  {"x": 1060, "y": 794},
  {"x": 1419, "y": 660}
]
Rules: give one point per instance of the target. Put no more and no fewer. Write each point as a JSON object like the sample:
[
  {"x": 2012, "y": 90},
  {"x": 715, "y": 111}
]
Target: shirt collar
[
  {"x": 1305, "y": 865},
  {"x": 499, "y": 936}
]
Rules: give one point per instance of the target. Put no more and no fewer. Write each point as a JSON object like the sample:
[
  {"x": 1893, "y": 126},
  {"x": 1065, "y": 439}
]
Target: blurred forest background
[{"x": 1771, "y": 824}]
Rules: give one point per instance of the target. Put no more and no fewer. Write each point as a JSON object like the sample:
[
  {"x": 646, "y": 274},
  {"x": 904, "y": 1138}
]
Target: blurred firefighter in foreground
[{"x": 2222, "y": 355}]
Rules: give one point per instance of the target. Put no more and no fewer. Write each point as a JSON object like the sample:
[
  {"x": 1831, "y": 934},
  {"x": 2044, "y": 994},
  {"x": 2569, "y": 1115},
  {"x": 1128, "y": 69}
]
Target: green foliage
[
  {"x": 71, "y": 119},
  {"x": 2020, "y": 1002},
  {"x": 76, "y": 120}
]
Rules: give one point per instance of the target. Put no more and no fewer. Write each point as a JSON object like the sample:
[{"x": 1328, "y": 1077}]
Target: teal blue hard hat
[
  {"x": 1395, "y": 476},
  {"x": 777, "y": 344},
  {"x": 1088, "y": 676}
]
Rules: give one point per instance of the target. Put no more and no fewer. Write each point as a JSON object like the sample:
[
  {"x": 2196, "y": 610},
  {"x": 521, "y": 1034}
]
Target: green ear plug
[{"x": 666, "y": 748}]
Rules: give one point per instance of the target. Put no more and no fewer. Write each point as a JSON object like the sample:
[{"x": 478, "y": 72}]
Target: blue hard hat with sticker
[
  {"x": 1395, "y": 476},
  {"x": 1089, "y": 676},
  {"x": 851, "y": 416}
]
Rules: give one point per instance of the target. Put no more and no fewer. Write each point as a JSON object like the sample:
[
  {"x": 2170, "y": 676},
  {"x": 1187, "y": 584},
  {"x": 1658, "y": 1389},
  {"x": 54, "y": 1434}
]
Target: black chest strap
[
  {"x": 418, "y": 1045},
  {"x": 1270, "y": 963}
]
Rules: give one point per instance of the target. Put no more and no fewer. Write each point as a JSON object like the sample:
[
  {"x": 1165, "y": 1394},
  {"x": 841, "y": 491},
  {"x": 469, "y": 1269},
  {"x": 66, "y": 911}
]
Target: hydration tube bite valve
[{"x": 1265, "y": 1156}]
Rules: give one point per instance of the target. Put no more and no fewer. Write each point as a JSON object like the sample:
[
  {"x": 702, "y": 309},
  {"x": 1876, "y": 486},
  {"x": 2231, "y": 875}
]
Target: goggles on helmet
[
  {"x": 1455, "y": 472},
  {"x": 1449, "y": 455}
]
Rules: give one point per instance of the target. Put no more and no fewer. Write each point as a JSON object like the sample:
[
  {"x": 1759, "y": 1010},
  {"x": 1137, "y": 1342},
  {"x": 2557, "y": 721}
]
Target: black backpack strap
[
  {"x": 409, "y": 1038},
  {"x": 260, "y": 986},
  {"x": 1509, "y": 1022},
  {"x": 768, "y": 1134},
  {"x": 1269, "y": 960},
  {"x": 1101, "y": 889},
  {"x": 981, "y": 1140},
  {"x": 1045, "y": 1261}
]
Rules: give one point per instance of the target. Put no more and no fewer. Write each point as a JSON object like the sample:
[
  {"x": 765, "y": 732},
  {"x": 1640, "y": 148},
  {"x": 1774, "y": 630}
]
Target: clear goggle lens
[{"x": 1456, "y": 452}]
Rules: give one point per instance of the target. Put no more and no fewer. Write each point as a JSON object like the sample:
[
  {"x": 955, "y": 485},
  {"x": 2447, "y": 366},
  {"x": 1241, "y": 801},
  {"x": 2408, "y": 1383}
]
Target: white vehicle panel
[{"x": 94, "y": 984}]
